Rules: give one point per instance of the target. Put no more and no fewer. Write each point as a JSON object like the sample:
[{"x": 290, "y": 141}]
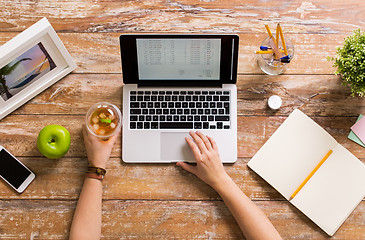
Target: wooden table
[{"x": 161, "y": 201}]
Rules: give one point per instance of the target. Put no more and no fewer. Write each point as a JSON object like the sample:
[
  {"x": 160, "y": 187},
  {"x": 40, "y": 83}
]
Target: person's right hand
[{"x": 209, "y": 167}]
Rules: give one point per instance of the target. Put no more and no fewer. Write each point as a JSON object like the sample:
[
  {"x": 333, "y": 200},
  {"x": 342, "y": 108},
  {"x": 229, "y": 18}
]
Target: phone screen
[{"x": 12, "y": 170}]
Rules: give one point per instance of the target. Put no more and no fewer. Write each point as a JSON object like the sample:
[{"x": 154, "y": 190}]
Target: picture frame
[{"x": 30, "y": 63}]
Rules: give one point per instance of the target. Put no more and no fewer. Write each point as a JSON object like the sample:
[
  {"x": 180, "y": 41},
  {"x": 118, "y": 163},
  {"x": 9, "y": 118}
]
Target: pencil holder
[{"x": 269, "y": 62}]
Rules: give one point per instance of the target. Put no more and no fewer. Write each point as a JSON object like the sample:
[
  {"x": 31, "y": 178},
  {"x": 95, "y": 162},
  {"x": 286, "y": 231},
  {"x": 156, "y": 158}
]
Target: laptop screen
[{"x": 179, "y": 59}]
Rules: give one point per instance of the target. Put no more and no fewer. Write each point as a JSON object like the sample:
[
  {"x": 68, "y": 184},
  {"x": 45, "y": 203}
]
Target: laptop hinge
[{"x": 171, "y": 84}]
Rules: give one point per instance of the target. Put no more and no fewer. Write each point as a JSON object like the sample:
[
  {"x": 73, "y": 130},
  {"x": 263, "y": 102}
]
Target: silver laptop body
[{"x": 176, "y": 83}]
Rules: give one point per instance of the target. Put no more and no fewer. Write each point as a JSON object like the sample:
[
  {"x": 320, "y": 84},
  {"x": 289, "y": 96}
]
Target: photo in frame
[{"x": 30, "y": 63}]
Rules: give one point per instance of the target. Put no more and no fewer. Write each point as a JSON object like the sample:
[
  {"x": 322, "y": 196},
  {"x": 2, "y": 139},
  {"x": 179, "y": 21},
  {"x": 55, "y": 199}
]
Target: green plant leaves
[{"x": 350, "y": 62}]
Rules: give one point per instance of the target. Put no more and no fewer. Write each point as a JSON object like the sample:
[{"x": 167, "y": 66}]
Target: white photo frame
[{"x": 30, "y": 63}]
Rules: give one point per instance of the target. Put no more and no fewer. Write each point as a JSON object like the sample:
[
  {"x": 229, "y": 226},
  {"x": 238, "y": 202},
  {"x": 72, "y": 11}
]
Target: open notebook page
[
  {"x": 334, "y": 190},
  {"x": 291, "y": 153}
]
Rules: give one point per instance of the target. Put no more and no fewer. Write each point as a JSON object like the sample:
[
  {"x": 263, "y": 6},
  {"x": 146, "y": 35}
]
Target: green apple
[{"x": 53, "y": 141}]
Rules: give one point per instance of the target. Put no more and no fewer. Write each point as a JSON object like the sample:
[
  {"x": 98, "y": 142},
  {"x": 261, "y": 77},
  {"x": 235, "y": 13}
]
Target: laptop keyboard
[{"x": 179, "y": 109}]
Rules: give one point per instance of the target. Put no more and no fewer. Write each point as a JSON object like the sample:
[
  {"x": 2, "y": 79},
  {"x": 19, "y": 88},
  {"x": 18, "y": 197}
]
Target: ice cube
[
  {"x": 95, "y": 119},
  {"x": 96, "y": 127}
]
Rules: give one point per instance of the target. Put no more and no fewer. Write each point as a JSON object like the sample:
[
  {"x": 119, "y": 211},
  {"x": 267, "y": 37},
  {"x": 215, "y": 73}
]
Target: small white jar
[{"x": 274, "y": 102}]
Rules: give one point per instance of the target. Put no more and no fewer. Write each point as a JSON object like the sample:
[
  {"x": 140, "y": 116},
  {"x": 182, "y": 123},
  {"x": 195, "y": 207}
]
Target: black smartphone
[{"x": 15, "y": 173}]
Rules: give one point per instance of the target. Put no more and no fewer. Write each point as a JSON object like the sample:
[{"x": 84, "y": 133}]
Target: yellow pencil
[
  {"x": 270, "y": 34},
  {"x": 277, "y": 34},
  {"x": 282, "y": 39},
  {"x": 265, "y": 52},
  {"x": 311, "y": 174}
]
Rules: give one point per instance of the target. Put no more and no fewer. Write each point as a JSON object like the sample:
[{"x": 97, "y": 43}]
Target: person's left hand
[{"x": 98, "y": 151}]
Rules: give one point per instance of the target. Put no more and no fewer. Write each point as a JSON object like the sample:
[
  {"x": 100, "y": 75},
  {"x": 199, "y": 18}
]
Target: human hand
[
  {"x": 209, "y": 167},
  {"x": 98, "y": 151}
]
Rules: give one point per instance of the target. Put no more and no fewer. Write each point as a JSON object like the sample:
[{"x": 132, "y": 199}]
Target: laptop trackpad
[{"x": 175, "y": 148}]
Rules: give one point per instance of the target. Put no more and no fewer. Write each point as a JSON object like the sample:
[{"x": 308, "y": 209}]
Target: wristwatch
[{"x": 95, "y": 172}]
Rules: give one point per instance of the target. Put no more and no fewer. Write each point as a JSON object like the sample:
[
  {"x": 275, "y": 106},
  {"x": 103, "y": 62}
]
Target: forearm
[
  {"x": 251, "y": 219},
  {"x": 86, "y": 222}
]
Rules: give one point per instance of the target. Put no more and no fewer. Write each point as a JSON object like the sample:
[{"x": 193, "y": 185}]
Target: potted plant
[{"x": 350, "y": 62}]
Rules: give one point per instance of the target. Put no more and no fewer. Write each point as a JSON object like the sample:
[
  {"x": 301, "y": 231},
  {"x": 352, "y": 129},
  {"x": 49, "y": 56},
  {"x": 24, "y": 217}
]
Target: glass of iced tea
[{"x": 103, "y": 120}]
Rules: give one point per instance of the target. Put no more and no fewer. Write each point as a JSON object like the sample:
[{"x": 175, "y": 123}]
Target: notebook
[
  {"x": 290, "y": 155},
  {"x": 176, "y": 83}
]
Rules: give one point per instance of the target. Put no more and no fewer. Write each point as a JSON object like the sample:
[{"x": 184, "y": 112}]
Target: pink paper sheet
[{"x": 359, "y": 129}]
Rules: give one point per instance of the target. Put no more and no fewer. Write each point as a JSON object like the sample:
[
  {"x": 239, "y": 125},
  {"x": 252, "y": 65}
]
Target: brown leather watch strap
[
  {"x": 94, "y": 175},
  {"x": 97, "y": 170}
]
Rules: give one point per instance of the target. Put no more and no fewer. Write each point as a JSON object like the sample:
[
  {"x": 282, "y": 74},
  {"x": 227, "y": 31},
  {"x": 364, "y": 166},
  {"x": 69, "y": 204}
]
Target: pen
[
  {"x": 283, "y": 60},
  {"x": 311, "y": 174},
  {"x": 264, "y": 48},
  {"x": 286, "y": 59}
]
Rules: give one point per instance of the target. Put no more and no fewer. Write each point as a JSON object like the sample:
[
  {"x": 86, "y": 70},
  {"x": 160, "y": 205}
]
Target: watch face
[{"x": 100, "y": 171}]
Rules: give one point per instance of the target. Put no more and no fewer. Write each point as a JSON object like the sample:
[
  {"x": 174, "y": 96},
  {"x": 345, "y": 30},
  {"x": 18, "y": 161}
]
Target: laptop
[{"x": 173, "y": 84}]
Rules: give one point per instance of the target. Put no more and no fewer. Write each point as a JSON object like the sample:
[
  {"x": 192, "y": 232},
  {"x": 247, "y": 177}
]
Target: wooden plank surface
[
  {"x": 130, "y": 219},
  {"x": 321, "y": 16},
  {"x": 177, "y": 205},
  {"x": 62, "y": 179}
]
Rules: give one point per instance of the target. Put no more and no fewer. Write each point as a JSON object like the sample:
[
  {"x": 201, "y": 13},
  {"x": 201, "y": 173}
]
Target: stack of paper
[{"x": 358, "y": 131}]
